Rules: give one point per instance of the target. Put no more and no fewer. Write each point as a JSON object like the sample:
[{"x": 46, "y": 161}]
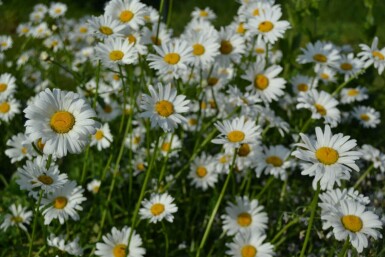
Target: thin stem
[
  {"x": 218, "y": 203},
  {"x": 160, "y": 17},
  {"x": 341, "y": 86},
  {"x": 267, "y": 185},
  {"x": 344, "y": 249},
  {"x": 313, "y": 208},
  {"x": 165, "y": 239},
  {"x": 283, "y": 230},
  {"x": 363, "y": 176},
  {"x": 161, "y": 175},
  {"x": 35, "y": 216},
  {"x": 169, "y": 13}
]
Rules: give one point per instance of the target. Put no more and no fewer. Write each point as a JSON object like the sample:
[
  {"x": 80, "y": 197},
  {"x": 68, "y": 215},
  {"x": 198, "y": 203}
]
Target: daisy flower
[
  {"x": 267, "y": 25},
  {"x": 94, "y": 186},
  {"x": 116, "y": 51},
  {"x": 102, "y": 138},
  {"x": 367, "y": 116},
  {"x": 320, "y": 53},
  {"x": 34, "y": 176},
  {"x": 244, "y": 216},
  {"x": 204, "y": 14},
  {"x": 164, "y": 107},
  {"x": 135, "y": 38},
  {"x": 231, "y": 48},
  {"x": 115, "y": 244},
  {"x": 150, "y": 36},
  {"x": 329, "y": 159},
  {"x": 250, "y": 244},
  {"x": 350, "y": 95},
  {"x": 127, "y": 12},
  {"x": 273, "y": 160},
  {"x": 105, "y": 26},
  {"x": 72, "y": 247},
  {"x": 236, "y": 132},
  {"x": 57, "y": 10},
  {"x": 19, "y": 149},
  {"x": 373, "y": 55},
  {"x": 246, "y": 156},
  {"x": 352, "y": 220},
  {"x": 7, "y": 85},
  {"x": 170, "y": 145},
  {"x": 5, "y": 43},
  {"x": 23, "y": 29},
  {"x": 349, "y": 66},
  {"x": 8, "y": 109},
  {"x": 41, "y": 31},
  {"x": 19, "y": 217},
  {"x": 222, "y": 162},
  {"x": 63, "y": 203},
  {"x": 171, "y": 57},
  {"x": 109, "y": 111},
  {"x": 303, "y": 84},
  {"x": 264, "y": 82},
  {"x": 374, "y": 155},
  {"x": 326, "y": 75},
  {"x": 159, "y": 207},
  {"x": 136, "y": 138},
  {"x": 322, "y": 105},
  {"x": 62, "y": 120},
  {"x": 202, "y": 172}
]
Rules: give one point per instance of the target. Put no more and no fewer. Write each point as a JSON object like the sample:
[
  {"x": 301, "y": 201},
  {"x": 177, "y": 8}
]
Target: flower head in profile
[
  {"x": 164, "y": 107},
  {"x": 158, "y": 207}
]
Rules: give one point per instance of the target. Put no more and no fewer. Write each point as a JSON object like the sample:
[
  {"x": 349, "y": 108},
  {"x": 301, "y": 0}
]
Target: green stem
[
  {"x": 344, "y": 249},
  {"x": 218, "y": 203},
  {"x": 35, "y": 217},
  {"x": 341, "y": 86},
  {"x": 161, "y": 175},
  {"x": 267, "y": 185},
  {"x": 160, "y": 17},
  {"x": 313, "y": 208},
  {"x": 283, "y": 230},
  {"x": 165, "y": 239},
  {"x": 85, "y": 165},
  {"x": 363, "y": 176},
  {"x": 169, "y": 13}
]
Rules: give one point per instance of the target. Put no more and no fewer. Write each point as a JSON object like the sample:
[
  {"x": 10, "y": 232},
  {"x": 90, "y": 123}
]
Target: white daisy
[
  {"x": 202, "y": 172},
  {"x": 20, "y": 148},
  {"x": 236, "y": 132},
  {"x": 264, "y": 81},
  {"x": 155, "y": 36},
  {"x": 330, "y": 158},
  {"x": 63, "y": 203},
  {"x": 5, "y": 42},
  {"x": 232, "y": 46},
  {"x": 250, "y": 244},
  {"x": 349, "y": 66},
  {"x": 105, "y": 26},
  {"x": 164, "y": 107},
  {"x": 62, "y": 120},
  {"x": 170, "y": 145},
  {"x": 7, "y": 85},
  {"x": 116, "y": 51},
  {"x": 367, "y": 116},
  {"x": 373, "y": 55},
  {"x": 115, "y": 244},
  {"x": 94, "y": 186},
  {"x": 374, "y": 155},
  {"x": 204, "y": 14},
  {"x": 102, "y": 138},
  {"x": 41, "y": 31},
  {"x": 159, "y": 207},
  {"x": 8, "y": 109},
  {"x": 109, "y": 111},
  {"x": 72, "y": 247},
  {"x": 136, "y": 138},
  {"x": 244, "y": 215},
  {"x": 57, "y": 10},
  {"x": 303, "y": 84},
  {"x": 273, "y": 160},
  {"x": 350, "y": 95},
  {"x": 326, "y": 75},
  {"x": 19, "y": 217},
  {"x": 320, "y": 53},
  {"x": 127, "y": 12}
]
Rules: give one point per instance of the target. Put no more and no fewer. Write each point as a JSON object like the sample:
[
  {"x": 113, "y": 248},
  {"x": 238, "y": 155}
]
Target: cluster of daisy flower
[{"x": 160, "y": 123}]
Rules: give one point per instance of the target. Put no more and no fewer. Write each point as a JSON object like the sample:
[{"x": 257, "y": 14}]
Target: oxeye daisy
[
  {"x": 19, "y": 217},
  {"x": 236, "y": 132},
  {"x": 170, "y": 145},
  {"x": 351, "y": 220},
  {"x": 231, "y": 46},
  {"x": 109, "y": 111},
  {"x": 102, "y": 138},
  {"x": 41, "y": 31},
  {"x": 105, "y": 26},
  {"x": 94, "y": 186},
  {"x": 320, "y": 53},
  {"x": 367, "y": 116},
  {"x": 350, "y": 95},
  {"x": 57, "y": 10},
  {"x": 204, "y": 14},
  {"x": 264, "y": 82},
  {"x": 246, "y": 156},
  {"x": 322, "y": 105},
  {"x": 63, "y": 203},
  {"x": 373, "y": 55},
  {"x": 7, "y": 85},
  {"x": 329, "y": 159},
  {"x": 164, "y": 107},
  {"x": 19, "y": 149},
  {"x": 72, "y": 247},
  {"x": 115, "y": 244},
  {"x": 273, "y": 160},
  {"x": 5, "y": 42},
  {"x": 250, "y": 244},
  {"x": 326, "y": 75},
  {"x": 155, "y": 36},
  {"x": 374, "y": 155},
  {"x": 8, "y": 109},
  {"x": 349, "y": 66},
  {"x": 267, "y": 25},
  {"x": 127, "y": 12},
  {"x": 245, "y": 215},
  {"x": 158, "y": 207},
  {"x": 303, "y": 84},
  {"x": 62, "y": 120},
  {"x": 116, "y": 51},
  {"x": 172, "y": 57},
  {"x": 202, "y": 172}
]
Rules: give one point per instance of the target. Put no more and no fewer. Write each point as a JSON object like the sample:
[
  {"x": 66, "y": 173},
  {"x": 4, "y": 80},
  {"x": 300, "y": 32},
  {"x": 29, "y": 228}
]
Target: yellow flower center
[
  {"x": 378, "y": 55},
  {"x": 265, "y": 26},
  {"x": 353, "y": 92},
  {"x": 352, "y": 223},
  {"x": 95, "y": 189},
  {"x": 198, "y": 49},
  {"x": 201, "y": 171},
  {"x": 324, "y": 76},
  {"x": 99, "y": 135},
  {"x": 274, "y": 160},
  {"x": 203, "y": 105},
  {"x": 223, "y": 159},
  {"x": 60, "y": 202},
  {"x": 156, "y": 41},
  {"x": 235, "y": 136},
  {"x": 327, "y": 155},
  {"x": 116, "y": 55},
  {"x": 302, "y": 87},
  {"x": 4, "y": 107},
  {"x": 320, "y": 58},
  {"x": 62, "y": 122},
  {"x": 107, "y": 108},
  {"x": 83, "y": 30},
  {"x": 137, "y": 140},
  {"x": 25, "y": 30},
  {"x": 40, "y": 144},
  {"x": 172, "y": 58},
  {"x": 3, "y": 87},
  {"x": 320, "y": 109},
  {"x": 57, "y": 10},
  {"x": 259, "y": 50},
  {"x": 140, "y": 166},
  {"x": 244, "y": 219},
  {"x": 226, "y": 47},
  {"x": 164, "y": 108},
  {"x": 157, "y": 209},
  {"x": 46, "y": 180},
  {"x": 261, "y": 82},
  {"x": 244, "y": 150},
  {"x": 106, "y": 30},
  {"x": 364, "y": 117},
  {"x": 131, "y": 39},
  {"x": 119, "y": 250},
  {"x": 212, "y": 81},
  {"x": 256, "y": 12},
  {"x": 17, "y": 219},
  {"x": 126, "y": 16},
  {"x": 24, "y": 150},
  {"x": 166, "y": 146},
  {"x": 203, "y": 13},
  {"x": 192, "y": 121},
  {"x": 346, "y": 66},
  {"x": 248, "y": 251},
  {"x": 241, "y": 28}
]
